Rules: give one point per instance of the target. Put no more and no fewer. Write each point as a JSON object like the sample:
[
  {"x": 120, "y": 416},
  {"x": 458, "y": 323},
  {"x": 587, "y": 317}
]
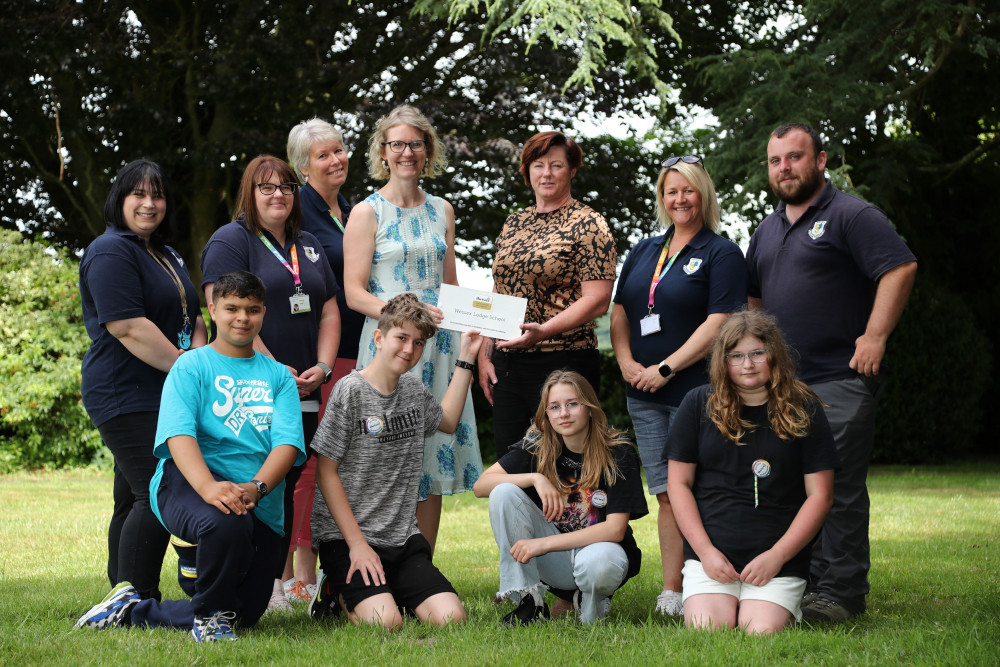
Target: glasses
[
  {"x": 686, "y": 159},
  {"x": 269, "y": 188},
  {"x": 417, "y": 146},
  {"x": 556, "y": 409},
  {"x": 738, "y": 358}
]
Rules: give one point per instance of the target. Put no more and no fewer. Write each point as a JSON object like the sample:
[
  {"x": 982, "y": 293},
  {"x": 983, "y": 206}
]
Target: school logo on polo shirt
[
  {"x": 311, "y": 253},
  {"x": 693, "y": 265},
  {"x": 817, "y": 230}
]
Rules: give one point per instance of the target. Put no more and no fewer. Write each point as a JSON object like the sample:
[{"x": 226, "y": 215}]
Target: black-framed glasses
[
  {"x": 416, "y": 146},
  {"x": 757, "y": 356},
  {"x": 686, "y": 159},
  {"x": 269, "y": 188}
]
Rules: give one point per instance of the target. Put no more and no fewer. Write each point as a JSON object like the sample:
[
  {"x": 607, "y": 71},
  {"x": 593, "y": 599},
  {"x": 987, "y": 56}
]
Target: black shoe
[
  {"x": 527, "y": 612},
  {"x": 324, "y": 605},
  {"x": 826, "y": 610}
]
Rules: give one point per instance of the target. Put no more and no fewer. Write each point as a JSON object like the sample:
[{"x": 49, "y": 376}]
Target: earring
[{"x": 385, "y": 164}]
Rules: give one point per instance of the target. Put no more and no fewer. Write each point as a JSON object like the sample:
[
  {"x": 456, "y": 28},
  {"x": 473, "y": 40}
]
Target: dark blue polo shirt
[
  {"x": 818, "y": 277},
  {"x": 709, "y": 276},
  {"x": 290, "y": 338},
  {"x": 316, "y": 220},
  {"x": 120, "y": 280}
]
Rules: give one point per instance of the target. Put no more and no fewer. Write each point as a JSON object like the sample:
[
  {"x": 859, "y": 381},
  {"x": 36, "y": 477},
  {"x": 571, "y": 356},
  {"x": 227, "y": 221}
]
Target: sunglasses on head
[{"x": 687, "y": 159}]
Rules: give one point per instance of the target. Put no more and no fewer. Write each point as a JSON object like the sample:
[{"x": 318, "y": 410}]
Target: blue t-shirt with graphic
[{"x": 238, "y": 409}]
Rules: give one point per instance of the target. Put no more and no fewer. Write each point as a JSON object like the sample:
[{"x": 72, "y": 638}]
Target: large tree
[{"x": 203, "y": 87}]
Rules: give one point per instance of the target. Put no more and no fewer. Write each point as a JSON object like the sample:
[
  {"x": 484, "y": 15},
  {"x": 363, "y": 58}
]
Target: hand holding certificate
[{"x": 495, "y": 315}]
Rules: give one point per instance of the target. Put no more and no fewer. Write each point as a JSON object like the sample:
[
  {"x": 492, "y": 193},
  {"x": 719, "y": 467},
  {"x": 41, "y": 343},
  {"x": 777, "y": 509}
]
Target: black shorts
[{"x": 410, "y": 576}]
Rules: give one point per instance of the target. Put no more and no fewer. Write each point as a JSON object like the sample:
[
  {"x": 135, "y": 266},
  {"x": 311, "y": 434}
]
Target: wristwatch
[
  {"x": 665, "y": 369},
  {"x": 261, "y": 487},
  {"x": 326, "y": 369}
]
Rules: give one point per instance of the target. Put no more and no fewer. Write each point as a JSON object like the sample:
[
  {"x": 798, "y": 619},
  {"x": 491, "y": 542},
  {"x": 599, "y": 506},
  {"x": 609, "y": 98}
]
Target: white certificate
[{"x": 494, "y": 315}]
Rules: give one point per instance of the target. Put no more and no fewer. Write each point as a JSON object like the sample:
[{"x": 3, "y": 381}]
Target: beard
[{"x": 800, "y": 191}]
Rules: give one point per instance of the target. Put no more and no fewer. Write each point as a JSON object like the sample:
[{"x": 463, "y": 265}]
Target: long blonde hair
[
  {"x": 788, "y": 397},
  {"x": 598, "y": 459}
]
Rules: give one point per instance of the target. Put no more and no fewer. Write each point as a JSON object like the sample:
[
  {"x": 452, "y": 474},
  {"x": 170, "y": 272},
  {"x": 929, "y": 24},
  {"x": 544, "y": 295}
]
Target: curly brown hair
[{"x": 788, "y": 398}]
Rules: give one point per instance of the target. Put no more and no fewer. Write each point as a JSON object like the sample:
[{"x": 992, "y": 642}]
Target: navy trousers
[{"x": 236, "y": 558}]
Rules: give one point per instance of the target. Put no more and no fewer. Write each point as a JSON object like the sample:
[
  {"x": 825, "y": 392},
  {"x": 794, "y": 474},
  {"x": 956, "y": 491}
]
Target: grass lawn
[{"x": 935, "y": 596}]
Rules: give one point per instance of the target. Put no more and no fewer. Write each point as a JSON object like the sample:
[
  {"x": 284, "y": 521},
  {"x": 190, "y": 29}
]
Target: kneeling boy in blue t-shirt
[
  {"x": 229, "y": 430},
  {"x": 371, "y": 448}
]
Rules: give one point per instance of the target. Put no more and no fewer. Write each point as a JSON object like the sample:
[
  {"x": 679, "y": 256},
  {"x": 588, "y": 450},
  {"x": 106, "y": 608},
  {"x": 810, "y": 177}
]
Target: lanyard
[
  {"x": 293, "y": 269},
  {"x": 657, "y": 274},
  {"x": 184, "y": 337},
  {"x": 336, "y": 221}
]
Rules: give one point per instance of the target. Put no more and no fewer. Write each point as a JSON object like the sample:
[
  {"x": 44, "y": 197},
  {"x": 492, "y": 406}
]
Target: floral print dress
[{"x": 410, "y": 246}]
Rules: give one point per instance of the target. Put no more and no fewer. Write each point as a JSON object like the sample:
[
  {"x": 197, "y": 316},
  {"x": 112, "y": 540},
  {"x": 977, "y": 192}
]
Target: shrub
[
  {"x": 932, "y": 407},
  {"x": 42, "y": 341}
]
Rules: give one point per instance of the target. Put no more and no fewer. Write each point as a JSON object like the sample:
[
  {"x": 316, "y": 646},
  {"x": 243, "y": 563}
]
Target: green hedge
[{"x": 42, "y": 340}]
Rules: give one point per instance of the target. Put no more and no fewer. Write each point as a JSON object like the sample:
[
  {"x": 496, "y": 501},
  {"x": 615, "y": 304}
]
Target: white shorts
[{"x": 782, "y": 591}]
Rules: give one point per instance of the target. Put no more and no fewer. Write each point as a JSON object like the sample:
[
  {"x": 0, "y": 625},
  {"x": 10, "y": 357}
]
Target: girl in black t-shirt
[
  {"x": 560, "y": 503},
  {"x": 750, "y": 479}
]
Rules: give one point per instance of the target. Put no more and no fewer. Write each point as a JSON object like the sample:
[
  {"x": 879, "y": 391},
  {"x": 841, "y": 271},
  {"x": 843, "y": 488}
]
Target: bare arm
[
  {"x": 755, "y": 303},
  {"x": 593, "y": 302},
  {"x": 552, "y": 501},
  {"x": 326, "y": 348},
  {"x": 359, "y": 236},
  {"x": 200, "y": 336},
  {"x": 621, "y": 342},
  {"x": 363, "y": 557},
  {"x": 450, "y": 276},
  {"x": 694, "y": 349},
  {"x": 680, "y": 479},
  {"x": 807, "y": 522},
  {"x": 612, "y": 529},
  {"x": 145, "y": 341},
  {"x": 890, "y": 298},
  {"x": 458, "y": 390}
]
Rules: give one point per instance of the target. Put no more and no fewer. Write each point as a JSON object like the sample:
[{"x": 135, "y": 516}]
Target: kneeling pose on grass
[
  {"x": 229, "y": 431},
  {"x": 750, "y": 479},
  {"x": 560, "y": 503},
  {"x": 371, "y": 448}
]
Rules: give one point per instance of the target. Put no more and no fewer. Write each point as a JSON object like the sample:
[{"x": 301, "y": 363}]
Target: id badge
[
  {"x": 650, "y": 324},
  {"x": 299, "y": 303}
]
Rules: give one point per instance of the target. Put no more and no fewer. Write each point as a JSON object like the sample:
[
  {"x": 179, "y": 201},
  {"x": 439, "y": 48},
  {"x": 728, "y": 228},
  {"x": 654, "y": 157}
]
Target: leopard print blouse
[{"x": 544, "y": 257}]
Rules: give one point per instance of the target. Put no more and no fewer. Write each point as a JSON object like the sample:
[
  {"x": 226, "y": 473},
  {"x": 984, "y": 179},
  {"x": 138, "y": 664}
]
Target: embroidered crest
[
  {"x": 692, "y": 266},
  {"x": 818, "y": 228},
  {"x": 311, "y": 253}
]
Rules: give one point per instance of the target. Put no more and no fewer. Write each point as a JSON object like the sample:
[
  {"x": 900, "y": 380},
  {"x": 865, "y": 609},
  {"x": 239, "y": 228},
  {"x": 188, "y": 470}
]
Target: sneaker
[
  {"x": 278, "y": 602},
  {"x": 825, "y": 609},
  {"x": 214, "y": 628},
  {"x": 526, "y": 613},
  {"x": 323, "y": 604},
  {"x": 298, "y": 592},
  {"x": 114, "y": 611},
  {"x": 670, "y": 603}
]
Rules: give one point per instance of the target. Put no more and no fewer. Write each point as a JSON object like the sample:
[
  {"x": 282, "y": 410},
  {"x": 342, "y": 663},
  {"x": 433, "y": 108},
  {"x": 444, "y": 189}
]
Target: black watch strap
[{"x": 465, "y": 364}]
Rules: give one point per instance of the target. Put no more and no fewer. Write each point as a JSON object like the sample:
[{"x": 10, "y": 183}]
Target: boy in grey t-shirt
[{"x": 370, "y": 447}]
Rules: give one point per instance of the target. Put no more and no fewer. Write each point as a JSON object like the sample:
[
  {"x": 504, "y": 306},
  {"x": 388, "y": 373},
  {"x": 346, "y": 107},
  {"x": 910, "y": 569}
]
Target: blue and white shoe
[
  {"x": 214, "y": 628},
  {"x": 113, "y": 611}
]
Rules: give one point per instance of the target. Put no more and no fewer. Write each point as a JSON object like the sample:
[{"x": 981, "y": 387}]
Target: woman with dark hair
[
  {"x": 302, "y": 325},
  {"x": 141, "y": 311},
  {"x": 560, "y": 505},
  {"x": 560, "y": 256},
  {"x": 402, "y": 239},
  {"x": 674, "y": 292},
  {"x": 750, "y": 481}
]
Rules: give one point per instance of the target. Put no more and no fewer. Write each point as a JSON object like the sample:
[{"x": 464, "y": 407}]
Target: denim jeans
[{"x": 596, "y": 570}]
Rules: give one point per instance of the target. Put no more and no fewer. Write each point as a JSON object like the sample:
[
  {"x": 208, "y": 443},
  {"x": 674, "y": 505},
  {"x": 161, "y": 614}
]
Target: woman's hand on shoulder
[{"x": 552, "y": 500}]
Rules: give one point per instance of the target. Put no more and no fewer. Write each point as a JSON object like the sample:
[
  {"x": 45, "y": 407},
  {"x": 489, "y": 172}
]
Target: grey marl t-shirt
[{"x": 379, "y": 442}]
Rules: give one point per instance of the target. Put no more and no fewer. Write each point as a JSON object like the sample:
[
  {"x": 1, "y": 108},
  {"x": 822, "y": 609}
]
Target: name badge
[
  {"x": 299, "y": 303},
  {"x": 650, "y": 324}
]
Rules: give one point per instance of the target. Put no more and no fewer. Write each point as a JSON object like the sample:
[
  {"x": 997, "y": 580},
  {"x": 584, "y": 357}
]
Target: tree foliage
[{"x": 42, "y": 340}]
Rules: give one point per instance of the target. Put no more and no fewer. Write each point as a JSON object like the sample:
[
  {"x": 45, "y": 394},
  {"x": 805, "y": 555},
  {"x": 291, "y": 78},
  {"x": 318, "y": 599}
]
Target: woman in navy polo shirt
[
  {"x": 302, "y": 324},
  {"x": 141, "y": 312},
  {"x": 316, "y": 153},
  {"x": 674, "y": 293}
]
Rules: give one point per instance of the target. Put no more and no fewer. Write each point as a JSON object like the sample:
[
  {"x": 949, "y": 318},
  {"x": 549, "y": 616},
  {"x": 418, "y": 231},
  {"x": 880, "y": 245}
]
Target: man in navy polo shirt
[{"x": 836, "y": 275}]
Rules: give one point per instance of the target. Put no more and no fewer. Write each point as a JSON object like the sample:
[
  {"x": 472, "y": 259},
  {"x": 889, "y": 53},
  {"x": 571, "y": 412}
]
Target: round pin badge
[
  {"x": 374, "y": 425},
  {"x": 599, "y": 498},
  {"x": 761, "y": 468}
]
